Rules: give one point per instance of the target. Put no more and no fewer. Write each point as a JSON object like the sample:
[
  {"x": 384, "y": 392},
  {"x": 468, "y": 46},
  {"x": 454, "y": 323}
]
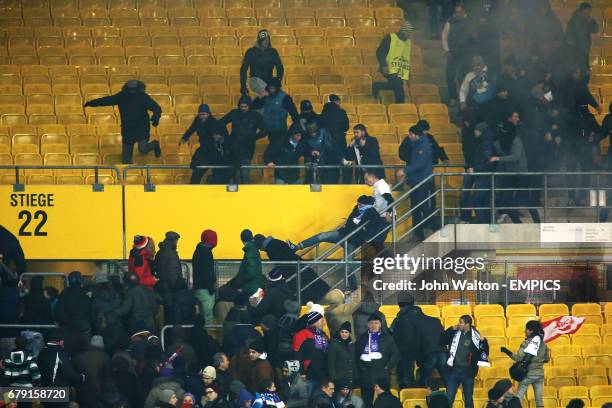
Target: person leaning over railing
[
  {"x": 287, "y": 153},
  {"x": 535, "y": 350}
]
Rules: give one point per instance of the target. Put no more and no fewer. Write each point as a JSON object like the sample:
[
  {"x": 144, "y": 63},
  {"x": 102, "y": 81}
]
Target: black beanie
[
  {"x": 365, "y": 200},
  {"x": 346, "y": 326},
  {"x": 495, "y": 394},
  {"x": 383, "y": 383}
]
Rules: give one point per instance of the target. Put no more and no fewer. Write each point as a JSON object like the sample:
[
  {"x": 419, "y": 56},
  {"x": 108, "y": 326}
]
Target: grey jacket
[
  {"x": 536, "y": 366},
  {"x": 353, "y": 400},
  {"x": 516, "y": 161},
  {"x": 297, "y": 393}
]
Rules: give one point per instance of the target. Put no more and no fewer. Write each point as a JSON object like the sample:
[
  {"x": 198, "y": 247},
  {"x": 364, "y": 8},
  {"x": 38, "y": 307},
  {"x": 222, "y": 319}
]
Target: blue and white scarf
[
  {"x": 362, "y": 211},
  {"x": 483, "y": 359},
  {"x": 320, "y": 339},
  {"x": 267, "y": 399},
  {"x": 371, "y": 350}
]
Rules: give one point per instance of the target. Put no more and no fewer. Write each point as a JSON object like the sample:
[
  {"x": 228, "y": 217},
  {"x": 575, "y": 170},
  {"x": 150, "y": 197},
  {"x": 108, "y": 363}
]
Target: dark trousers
[
  {"x": 144, "y": 147},
  {"x": 367, "y": 395},
  {"x": 456, "y": 377},
  {"x": 452, "y": 65},
  {"x": 517, "y": 197},
  {"x": 465, "y": 199},
  {"x": 422, "y": 208},
  {"x": 395, "y": 83},
  {"x": 406, "y": 372},
  {"x": 219, "y": 176},
  {"x": 481, "y": 199},
  {"x": 435, "y": 360}
]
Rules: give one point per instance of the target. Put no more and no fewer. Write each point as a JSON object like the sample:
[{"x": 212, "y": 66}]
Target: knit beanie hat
[
  {"x": 165, "y": 395},
  {"x": 404, "y": 298},
  {"x": 503, "y": 385},
  {"x": 292, "y": 365},
  {"x": 213, "y": 386},
  {"x": 209, "y": 371},
  {"x": 365, "y": 200},
  {"x": 140, "y": 241},
  {"x": 246, "y": 235},
  {"x": 406, "y": 28},
  {"x": 423, "y": 124},
  {"x": 257, "y": 346},
  {"x": 209, "y": 237},
  {"x": 263, "y": 34},
  {"x": 243, "y": 396},
  {"x": 275, "y": 83},
  {"x": 376, "y": 316},
  {"x": 316, "y": 308},
  {"x": 417, "y": 130},
  {"x": 305, "y": 105},
  {"x": 313, "y": 317},
  {"x": 204, "y": 108},
  {"x": 236, "y": 386},
  {"x": 346, "y": 326},
  {"x": 495, "y": 394},
  {"x": 245, "y": 99}
]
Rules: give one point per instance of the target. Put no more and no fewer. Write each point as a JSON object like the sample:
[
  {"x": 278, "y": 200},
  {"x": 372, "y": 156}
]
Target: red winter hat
[
  {"x": 209, "y": 237},
  {"x": 140, "y": 241}
]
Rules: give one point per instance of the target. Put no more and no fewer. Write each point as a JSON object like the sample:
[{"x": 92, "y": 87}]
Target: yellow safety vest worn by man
[{"x": 398, "y": 58}]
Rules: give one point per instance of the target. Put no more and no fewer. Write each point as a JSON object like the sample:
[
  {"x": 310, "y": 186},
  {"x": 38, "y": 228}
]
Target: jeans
[
  {"x": 435, "y": 360},
  {"x": 460, "y": 376},
  {"x": 406, "y": 372},
  {"x": 332, "y": 237},
  {"x": 144, "y": 147},
  {"x": 465, "y": 198},
  {"x": 538, "y": 389},
  {"x": 207, "y": 302},
  {"x": 394, "y": 83},
  {"x": 422, "y": 209}
]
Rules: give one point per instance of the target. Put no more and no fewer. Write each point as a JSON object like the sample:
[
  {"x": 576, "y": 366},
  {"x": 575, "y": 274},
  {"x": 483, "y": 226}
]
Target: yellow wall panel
[
  {"x": 287, "y": 212},
  {"x": 64, "y": 222}
]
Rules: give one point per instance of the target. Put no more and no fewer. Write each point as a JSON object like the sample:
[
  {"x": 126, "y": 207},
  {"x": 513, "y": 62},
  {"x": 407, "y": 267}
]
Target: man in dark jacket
[
  {"x": 36, "y": 307},
  {"x": 336, "y": 121},
  {"x": 250, "y": 267},
  {"x": 139, "y": 304},
  {"x": 419, "y": 168},
  {"x": 384, "y": 398},
  {"x": 168, "y": 266},
  {"x": 204, "y": 274},
  {"x": 260, "y": 61},
  {"x": 323, "y": 151},
  {"x": 483, "y": 150},
  {"x": 291, "y": 387},
  {"x": 95, "y": 364},
  {"x": 55, "y": 364},
  {"x": 459, "y": 47},
  {"x": 247, "y": 126},
  {"x": 74, "y": 305},
  {"x": 377, "y": 355},
  {"x": 405, "y": 149},
  {"x": 431, "y": 354},
  {"x": 204, "y": 124},
  {"x": 287, "y": 154},
  {"x": 579, "y": 29},
  {"x": 363, "y": 150},
  {"x": 134, "y": 106},
  {"x": 407, "y": 336},
  {"x": 11, "y": 254},
  {"x": 393, "y": 55},
  {"x": 307, "y": 114},
  {"x": 219, "y": 151},
  {"x": 341, "y": 362},
  {"x": 468, "y": 350},
  {"x": 276, "y": 106},
  {"x": 278, "y": 250},
  {"x": 276, "y": 292},
  {"x": 323, "y": 397}
]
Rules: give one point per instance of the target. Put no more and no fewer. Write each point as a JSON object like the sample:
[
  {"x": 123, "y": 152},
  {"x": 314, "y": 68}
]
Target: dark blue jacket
[
  {"x": 483, "y": 151},
  {"x": 421, "y": 161}
]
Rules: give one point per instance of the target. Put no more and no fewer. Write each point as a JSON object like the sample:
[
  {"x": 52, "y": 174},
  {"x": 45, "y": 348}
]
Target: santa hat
[{"x": 140, "y": 241}]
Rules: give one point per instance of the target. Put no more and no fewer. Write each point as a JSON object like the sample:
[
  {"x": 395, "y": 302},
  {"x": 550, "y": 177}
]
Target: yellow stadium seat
[
  {"x": 413, "y": 403},
  {"x": 300, "y": 17},
  {"x": 518, "y": 320},
  {"x": 558, "y": 309},
  {"x": 456, "y": 310},
  {"x": 586, "y": 339},
  {"x": 491, "y": 320},
  {"x": 40, "y": 179},
  {"x": 330, "y": 17},
  {"x": 102, "y": 179},
  {"x": 412, "y": 393},
  {"x": 561, "y": 381},
  {"x": 601, "y": 391},
  {"x": 591, "y": 380}
]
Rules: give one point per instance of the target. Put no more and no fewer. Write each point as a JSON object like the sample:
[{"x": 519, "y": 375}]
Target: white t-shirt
[{"x": 381, "y": 187}]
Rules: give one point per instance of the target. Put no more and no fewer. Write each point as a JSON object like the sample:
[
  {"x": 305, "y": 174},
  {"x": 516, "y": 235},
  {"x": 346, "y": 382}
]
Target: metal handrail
[
  {"x": 95, "y": 168},
  {"x": 46, "y": 274}
]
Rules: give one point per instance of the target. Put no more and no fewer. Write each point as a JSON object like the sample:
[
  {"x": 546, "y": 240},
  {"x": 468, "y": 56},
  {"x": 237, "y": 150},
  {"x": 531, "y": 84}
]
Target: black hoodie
[
  {"x": 36, "y": 307},
  {"x": 287, "y": 154},
  {"x": 245, "y": 127},
  {"x": 260, "y": 62}
]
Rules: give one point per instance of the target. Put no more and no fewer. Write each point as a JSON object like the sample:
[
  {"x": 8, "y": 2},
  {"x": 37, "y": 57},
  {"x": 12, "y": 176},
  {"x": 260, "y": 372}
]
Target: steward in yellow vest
[{"x": 393, "y": 56}]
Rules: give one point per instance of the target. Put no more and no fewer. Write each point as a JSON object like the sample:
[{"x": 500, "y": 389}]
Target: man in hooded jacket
[
  {"x": 168, "y": 268},
  {"x": 276, "y": 105},
  {"x": 287, "y": 153},
  {"x": 260, "y": 61},
  {"x": 247, "y": 126},
  {"x": 134, "y": 106},
  {"x": 204, "y": 124},
  {"x": 204, "y": 275}
]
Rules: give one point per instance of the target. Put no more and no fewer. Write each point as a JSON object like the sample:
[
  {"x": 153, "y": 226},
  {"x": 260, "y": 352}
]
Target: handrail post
[
  {"x": 493, "y": 198},
  {"x": 597, "y": 198},
  {"x": 18, "y": 187},
  {"x": 148, "y": 187},
  {"x": 442, "y": 178},
  {"x": 97, "y": 187},
  {"x": 545, "y": 182},
  {"x": 346, "y": 264},
  {"x": 299, "y": 281},
  {"x": 394, "y": 229}
]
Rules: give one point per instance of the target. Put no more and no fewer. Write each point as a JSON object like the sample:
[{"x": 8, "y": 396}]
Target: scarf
[
  {"x": 483, "y": 361},
  {"x": 362, "y": 211},
  {"x": 534, "y": 345},
  {"x": 320, "y": 339},
  {"x": 371, "y": 350},
  {"x": 270, "y": 399}
]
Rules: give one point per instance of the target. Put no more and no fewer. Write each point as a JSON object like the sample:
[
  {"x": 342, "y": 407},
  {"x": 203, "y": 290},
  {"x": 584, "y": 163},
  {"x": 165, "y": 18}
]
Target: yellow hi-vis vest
[{"x": 398, "y": 58}]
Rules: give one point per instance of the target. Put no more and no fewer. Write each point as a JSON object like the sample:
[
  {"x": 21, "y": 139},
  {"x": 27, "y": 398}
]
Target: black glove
[{"x": 505, "y": 351}]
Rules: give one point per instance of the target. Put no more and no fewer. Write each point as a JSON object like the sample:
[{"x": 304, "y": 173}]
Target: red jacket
[{"x": 140, "y": 263}]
